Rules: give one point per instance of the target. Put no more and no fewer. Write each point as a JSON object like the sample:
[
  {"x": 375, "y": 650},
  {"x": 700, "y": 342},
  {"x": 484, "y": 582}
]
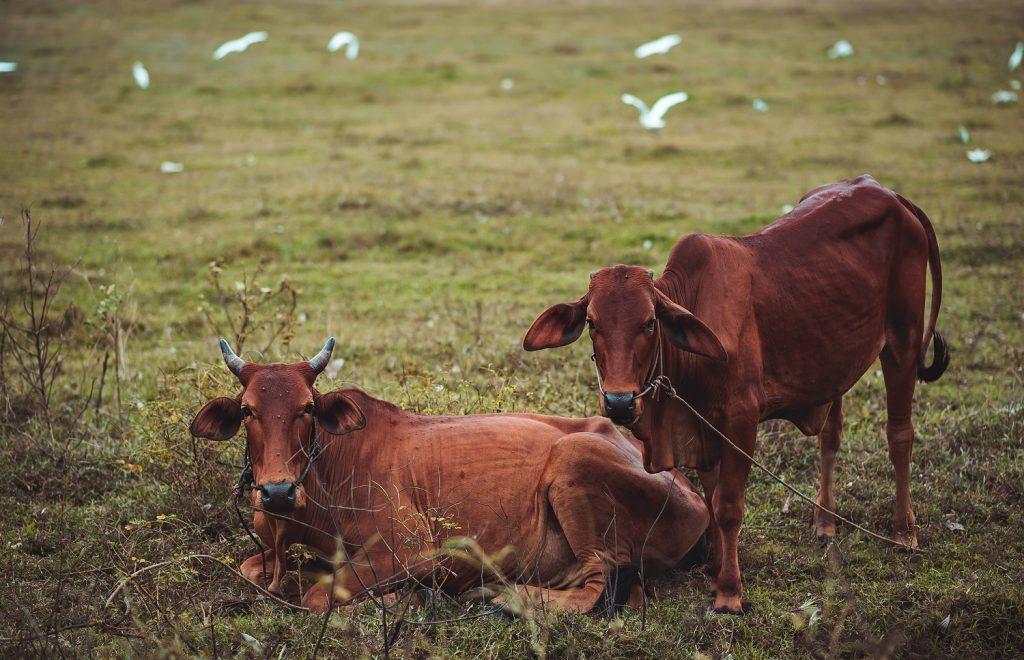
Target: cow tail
[{"x": 940, "y": 355}]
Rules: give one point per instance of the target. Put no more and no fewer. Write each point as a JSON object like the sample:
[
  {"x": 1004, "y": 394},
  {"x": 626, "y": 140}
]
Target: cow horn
[
  {"x": 235, "y": 363},
  {"x": 593, "y": 274},
  {"x": 650, "y": 271},
  {"x": 320, "y": 360}
]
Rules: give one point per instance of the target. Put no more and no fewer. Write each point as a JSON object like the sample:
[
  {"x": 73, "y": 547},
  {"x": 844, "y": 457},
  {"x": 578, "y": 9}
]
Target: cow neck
[
  {"x": 345, "y": 460},
  {"x": 683, "y": 369}
]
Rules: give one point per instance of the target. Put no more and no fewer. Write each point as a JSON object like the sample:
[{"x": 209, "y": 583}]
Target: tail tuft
[{"x": 940, "y": 360}]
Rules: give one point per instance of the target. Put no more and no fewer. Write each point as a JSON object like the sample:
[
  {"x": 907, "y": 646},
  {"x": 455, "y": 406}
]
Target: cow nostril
[
  {"x": 278, "y": 497},
  {"x": 619, "y": 402}
]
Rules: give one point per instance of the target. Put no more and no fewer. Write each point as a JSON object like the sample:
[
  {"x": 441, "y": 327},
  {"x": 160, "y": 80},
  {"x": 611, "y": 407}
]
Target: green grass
[{"x": 427, "y": 216}]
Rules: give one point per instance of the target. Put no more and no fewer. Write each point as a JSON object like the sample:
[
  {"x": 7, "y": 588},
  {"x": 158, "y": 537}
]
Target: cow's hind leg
[
  {"x": 899, "y": 387},
  {"x": 900, "y": 357},
  {"x": 618, "y": 521},
  {"x": 581, "y": 593},
  {"x": 828, "y": 445}
]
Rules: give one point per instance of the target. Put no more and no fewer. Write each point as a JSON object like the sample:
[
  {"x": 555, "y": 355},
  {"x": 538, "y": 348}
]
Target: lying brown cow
[
  {"x": 569, "y": 496},
  {"x": 779, "y": 324}
]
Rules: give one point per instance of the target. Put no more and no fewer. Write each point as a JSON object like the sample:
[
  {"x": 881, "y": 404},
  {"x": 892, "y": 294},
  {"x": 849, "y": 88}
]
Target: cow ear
[
  {"x": 338, "y": 413},
  {"x": 218, "y": 420},
  {"x": 559, "y": 325},
  {"x": 687, "y": 331}
]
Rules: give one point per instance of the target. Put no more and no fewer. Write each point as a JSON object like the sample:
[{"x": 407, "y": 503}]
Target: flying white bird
[
  {"x": 347, "y": 39},
  {"x": 1016, "y": 56},
  {"x": 8, "y": 67},
  {"x": 659, "y": 46},
  {"x": 961, "y": 131},
  {"x": 841, "y": 48},
  {"x": 760, "y": 105},
  {"x": 653, "y": 118},
  {"x": 1004, "y": 96},
  {"x": 978, "y": 155},
  {"x": 168, "y": 167},
  {"x": 238, "y": 45},
  {"x": 141, "y": 75}
]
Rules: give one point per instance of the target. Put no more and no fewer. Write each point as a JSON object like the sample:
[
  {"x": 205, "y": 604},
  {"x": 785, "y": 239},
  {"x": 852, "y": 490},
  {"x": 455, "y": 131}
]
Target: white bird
[
  {"x": 347, "y": 39},
  {"x": 659, "y": 46},
  {"x": 333, "y": 367},
  {"x": 239, "y": 45},
  {"x": 760, "y": 105},
  {"x": 141, "y": 75},
  {"x": 507, "y": 84},
  {"x": 978, "y": 155},
  {"x": 961, "y": 130},
  {"x": 1016, "y": 56},
  {"x": 8, "y": 67},
  {"x": 1004, "y": 96},
  {"x": 653, "y": 118},
  {"x": 169, "y": 167},
  {"x": 841, "y": 48}
]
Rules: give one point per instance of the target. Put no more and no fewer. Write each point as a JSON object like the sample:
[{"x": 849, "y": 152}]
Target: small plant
[
  {"x": 115, "y": 325},
  {"x": 250, "y": 308},
  {"x": 32, "y": 338}
]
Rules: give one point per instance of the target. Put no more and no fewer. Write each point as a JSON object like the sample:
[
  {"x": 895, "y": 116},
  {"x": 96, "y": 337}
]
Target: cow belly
[{"x": 821, "y": 358}]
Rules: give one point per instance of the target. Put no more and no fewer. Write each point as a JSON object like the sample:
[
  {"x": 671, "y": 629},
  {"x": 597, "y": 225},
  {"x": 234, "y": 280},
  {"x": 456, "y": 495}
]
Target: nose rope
[
  {"x": 657, "y": 382},
  {"x": 245, "y": 478},
  {"x": 662, "y": 383},
  {"x": 653, "y": 374},
  {"x": 245, "y": 482}
]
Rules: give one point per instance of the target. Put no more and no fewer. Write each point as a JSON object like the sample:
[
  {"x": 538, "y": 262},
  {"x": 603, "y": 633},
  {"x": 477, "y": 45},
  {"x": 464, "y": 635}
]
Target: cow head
[
  {"x": 626, "y": 315},
  {"x": 278, "y": 406}
]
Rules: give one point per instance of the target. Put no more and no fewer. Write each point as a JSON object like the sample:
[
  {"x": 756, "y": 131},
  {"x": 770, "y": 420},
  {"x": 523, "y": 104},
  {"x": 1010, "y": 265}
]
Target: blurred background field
[{"x": 423, "y": 213}]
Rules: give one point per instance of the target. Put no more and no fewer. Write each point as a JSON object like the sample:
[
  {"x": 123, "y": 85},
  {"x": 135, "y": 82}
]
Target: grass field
[{"x": 426, "y": 215}]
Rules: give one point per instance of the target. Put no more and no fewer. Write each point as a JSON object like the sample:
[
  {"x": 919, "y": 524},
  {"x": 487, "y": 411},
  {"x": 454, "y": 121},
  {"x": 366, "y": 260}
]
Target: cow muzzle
[
  {"x": 278, "y": 497},
  {"x": 621, "y": 407}
]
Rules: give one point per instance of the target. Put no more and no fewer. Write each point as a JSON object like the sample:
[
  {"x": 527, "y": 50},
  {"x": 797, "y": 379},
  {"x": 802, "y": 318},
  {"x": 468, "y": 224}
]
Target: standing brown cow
[
  {"x": 779, "y": 324},
  {"x": 343, "y": 472}
]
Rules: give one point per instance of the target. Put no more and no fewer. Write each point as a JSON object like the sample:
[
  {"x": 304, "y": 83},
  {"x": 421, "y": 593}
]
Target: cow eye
[
  {"x": 591, "y": 325},
  {"x": 246, "y": 412},
  {"x": 649, "y": 326},
  {"x": 308, "y": 409}
]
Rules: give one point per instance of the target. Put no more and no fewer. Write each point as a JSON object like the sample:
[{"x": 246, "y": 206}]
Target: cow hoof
[
  {"x": 825, "y": 532},
  {"x": 908, "y": 539},
  {"x": 731, "y": 605}
]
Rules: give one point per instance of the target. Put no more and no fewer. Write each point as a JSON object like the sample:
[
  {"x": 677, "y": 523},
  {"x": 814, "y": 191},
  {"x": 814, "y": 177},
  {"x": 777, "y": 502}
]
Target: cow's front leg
[
  {"x": 354, "y": 580},
  {"x": 261, "y": 567},
  {"x": 728, "y": 507},
  {"x": 828, "y": 446},
  {"x": 708, "y": 482}
]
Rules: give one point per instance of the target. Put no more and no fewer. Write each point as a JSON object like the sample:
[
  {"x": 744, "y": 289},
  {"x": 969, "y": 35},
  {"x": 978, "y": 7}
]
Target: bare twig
[{"x": 145, "y": 569}]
